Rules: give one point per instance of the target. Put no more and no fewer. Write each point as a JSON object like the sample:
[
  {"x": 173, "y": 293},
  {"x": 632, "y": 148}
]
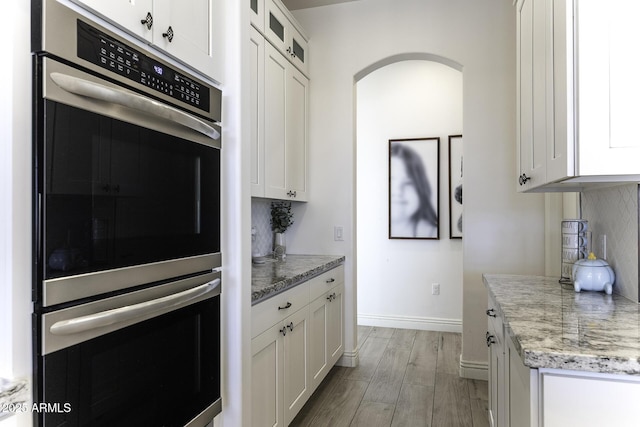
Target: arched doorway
[{"x": 406, "y": 96}]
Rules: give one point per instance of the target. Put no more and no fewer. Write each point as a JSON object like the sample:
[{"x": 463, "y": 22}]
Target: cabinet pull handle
[
  {"x": 523, "y": 179},
  {"x": 169, "y": 34},
  {"x": 285, "y": 307},
  {"x": 147, "y": 21},
  {"x": 490, "y": 339},
  {"x": 290, "y": 326},
  {"x": 283, "y": 331},
  {"x": 491, "y": 312},
  {"x": 331, "y": 280}
]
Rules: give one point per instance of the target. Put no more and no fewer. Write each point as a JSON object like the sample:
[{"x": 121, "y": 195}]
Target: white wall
[
  {"x": 414, "y": 98},
  {"x": 504, "y": 231},
  {"x": 15, "y": 210}
]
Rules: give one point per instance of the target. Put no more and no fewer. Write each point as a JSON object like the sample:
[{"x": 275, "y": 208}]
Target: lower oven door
[{"x": 148, "y": 358}]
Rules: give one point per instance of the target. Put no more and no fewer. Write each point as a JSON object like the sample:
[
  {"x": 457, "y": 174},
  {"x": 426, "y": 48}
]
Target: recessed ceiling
[{"x": 305, "y": 4}]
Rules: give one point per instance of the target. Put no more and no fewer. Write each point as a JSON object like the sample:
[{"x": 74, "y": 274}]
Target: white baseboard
[
  {"x": 474, "y": 370},
  {"x": 349, "y": 359},
  {"x": 409, "y": 322}
]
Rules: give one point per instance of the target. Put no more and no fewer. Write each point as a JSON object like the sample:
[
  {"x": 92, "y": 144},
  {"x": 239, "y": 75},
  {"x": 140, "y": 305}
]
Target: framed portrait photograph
[
  {"x": 414, "y": 199},
  {"x": 455, "y": 186}
]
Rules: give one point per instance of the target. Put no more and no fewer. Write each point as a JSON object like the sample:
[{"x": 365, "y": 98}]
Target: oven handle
[
  {"x": 126, "y": 313},
  {"x": 100, "y": 92}
]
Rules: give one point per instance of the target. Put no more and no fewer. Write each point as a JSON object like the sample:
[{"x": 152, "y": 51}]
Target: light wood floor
[{"x": 405, "y": 378}]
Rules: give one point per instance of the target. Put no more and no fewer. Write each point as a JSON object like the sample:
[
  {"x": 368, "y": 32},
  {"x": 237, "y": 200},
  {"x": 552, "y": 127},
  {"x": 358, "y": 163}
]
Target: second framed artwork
[
  {"x": 455, "y": 186},
  {"x": 414, "y": 199}
]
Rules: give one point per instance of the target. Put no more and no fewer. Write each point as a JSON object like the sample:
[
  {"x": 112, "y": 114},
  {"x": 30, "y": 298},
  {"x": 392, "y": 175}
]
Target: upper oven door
[{"x": 127, "y": 193}]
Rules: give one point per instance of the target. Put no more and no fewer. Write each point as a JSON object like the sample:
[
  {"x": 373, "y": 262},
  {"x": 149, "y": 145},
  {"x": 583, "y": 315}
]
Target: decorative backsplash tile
[
  {"x": 260, "y": 219},
  {"x": 613, "y": 212}
]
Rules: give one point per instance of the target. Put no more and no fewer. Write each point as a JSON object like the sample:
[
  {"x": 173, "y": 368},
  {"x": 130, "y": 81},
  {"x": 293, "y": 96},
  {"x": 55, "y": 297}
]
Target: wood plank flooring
[{"x": 406, "y": 378}]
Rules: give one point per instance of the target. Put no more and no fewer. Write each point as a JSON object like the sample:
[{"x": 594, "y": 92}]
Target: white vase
[{"x": 279, "y": 246}]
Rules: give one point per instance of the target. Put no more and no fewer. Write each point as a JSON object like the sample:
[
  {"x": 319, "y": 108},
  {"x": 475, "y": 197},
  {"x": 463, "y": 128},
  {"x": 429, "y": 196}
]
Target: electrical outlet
[
  {"x": 338, "y": 233},
  {"x": 435, "y": 289}
]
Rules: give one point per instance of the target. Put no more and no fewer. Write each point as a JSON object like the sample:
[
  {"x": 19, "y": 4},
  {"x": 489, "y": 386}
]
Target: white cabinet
[
  {"x": 279, "y": 112},
  {"x": 588, "y": 399},
  {"x": 495, "y": 342},
  {"x": 181, "y": 29},
  {"x": 286, "y": 100},
  {"x": 576, "y": 94},
  {"x": 512, "y": 385},
  {"x": 256, "y": 13},
  {"x": 281, "y": 384},
  {"x": 520, "y": 396},
  {"x": 282, "y": 31},
  {"x": 296, "y": 339},
  {"x": 267, "y": 361},
  {"x": 327, "y": 325},
  {"x": 521, "y": 390}
]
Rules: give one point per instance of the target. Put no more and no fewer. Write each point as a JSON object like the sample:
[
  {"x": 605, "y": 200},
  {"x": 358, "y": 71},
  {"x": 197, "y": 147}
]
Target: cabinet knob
[
  {"x": 522, "y": 179},
  {"x": 283, "y": 331},
  {"x": 292, "y": 193},
  {"x": 290, "y": 326},
  {"x": 147, "y": 21},
  {"x": 491, "y": 312},
  {"x": 169, "y": 34}
]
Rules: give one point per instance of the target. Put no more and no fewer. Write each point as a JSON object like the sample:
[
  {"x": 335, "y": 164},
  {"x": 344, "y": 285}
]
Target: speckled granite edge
[
  {"x": 275, "y": 277},
  {"x": 13, "y": 395},
  {"x": 552, "y": 326}
]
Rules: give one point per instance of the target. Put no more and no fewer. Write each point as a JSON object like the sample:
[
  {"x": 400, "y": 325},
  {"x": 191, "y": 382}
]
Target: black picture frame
[
  {"x": 414, "y": 188},
  {"x": 456, "y": 157}
]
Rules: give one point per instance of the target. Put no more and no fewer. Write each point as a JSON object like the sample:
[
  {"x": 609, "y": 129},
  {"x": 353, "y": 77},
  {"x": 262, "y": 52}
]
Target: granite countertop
[
  {"x": 14, "y": 395},
  {"x": 273, "y": 276},
  {"x": 552, "y": 326}
]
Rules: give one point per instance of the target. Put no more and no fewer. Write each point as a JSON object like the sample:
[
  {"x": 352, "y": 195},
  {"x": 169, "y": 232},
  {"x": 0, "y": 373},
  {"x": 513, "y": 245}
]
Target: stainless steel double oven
[{"x": 126, "y": 279}]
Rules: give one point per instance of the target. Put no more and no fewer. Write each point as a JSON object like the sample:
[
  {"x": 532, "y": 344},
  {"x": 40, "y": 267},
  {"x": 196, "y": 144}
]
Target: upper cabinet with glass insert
[{"x": 272, "y": 19}]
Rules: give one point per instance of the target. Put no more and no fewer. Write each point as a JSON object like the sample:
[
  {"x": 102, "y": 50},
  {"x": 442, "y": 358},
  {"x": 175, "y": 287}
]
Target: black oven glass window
[
  {"x": 156, "y": 373},
  {"x": 118, "y": 194}
]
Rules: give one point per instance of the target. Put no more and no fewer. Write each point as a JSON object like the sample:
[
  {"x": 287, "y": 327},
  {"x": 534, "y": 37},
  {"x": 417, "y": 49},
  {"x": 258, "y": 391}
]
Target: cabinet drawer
[
  {"x": 267, "y": 313},
  {"x": 327, "y": 280}
]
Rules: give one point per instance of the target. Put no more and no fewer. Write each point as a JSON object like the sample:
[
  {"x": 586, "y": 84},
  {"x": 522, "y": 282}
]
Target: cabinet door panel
[
  {"x": 589, "y": 400},
  {"x": 276, "y": 25},
  {"x": 124, "y": 14},
  {"x": 275, "y": 71},
  {"x": 296, "y": 373},
  {"x": 190, "y": 23},
  {"x": 608, "y": 89},
  {"x": 296, "y": 133},
  {"x": 267, "y": 376},
  {"x": 318, "y": 318},
  {"x": 525, "y": 94},
  {"x": 560, "y": 161},
  {"x": 256, "y": 13},
  {"x": 335, "y": 324}
]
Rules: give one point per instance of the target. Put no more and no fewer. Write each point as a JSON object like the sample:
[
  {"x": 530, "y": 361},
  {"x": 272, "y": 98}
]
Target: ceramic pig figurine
[{"x": 593, "y": 274}]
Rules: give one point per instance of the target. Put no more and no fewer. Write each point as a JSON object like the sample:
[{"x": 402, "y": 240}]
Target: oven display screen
[{"x": 158, "y": 70}]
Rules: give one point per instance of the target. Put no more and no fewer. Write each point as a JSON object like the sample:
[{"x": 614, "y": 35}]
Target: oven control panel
[{"x": 115, "y": 56}]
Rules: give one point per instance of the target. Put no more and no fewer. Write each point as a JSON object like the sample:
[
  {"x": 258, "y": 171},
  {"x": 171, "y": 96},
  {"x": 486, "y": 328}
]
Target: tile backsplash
[
  {"x": 260, "y": 219},
  {"x": 613, "y": 212}
]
